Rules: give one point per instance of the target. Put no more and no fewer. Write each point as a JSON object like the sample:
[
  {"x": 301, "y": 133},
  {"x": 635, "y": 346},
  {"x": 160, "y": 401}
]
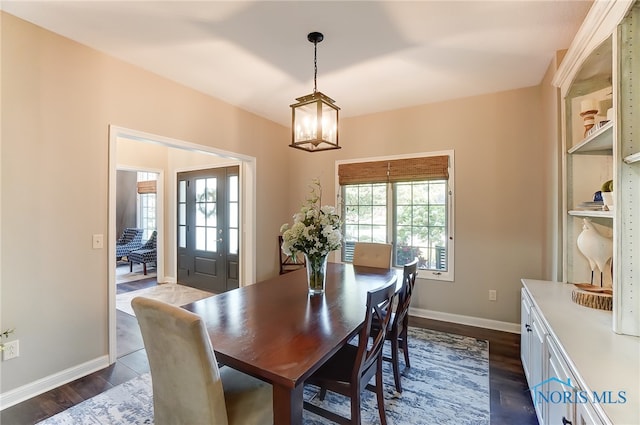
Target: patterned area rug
[
  {"x": 171, "y": 293},
  {"x": 448, "y": 382},
  {"x": 123, "y": 275}
]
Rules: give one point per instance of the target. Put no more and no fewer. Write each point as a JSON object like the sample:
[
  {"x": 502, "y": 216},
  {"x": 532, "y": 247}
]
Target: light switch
[{"x": 98, "y": 242}]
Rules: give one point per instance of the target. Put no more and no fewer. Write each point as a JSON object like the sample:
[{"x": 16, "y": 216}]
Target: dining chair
[
  {"x": 289, "y": 263},
  {"x": 188, "y": 386},
  {"x": 350, "y": 369},
  {"x": 399, "y": 323},
  {"x": 372, "y": 254}
]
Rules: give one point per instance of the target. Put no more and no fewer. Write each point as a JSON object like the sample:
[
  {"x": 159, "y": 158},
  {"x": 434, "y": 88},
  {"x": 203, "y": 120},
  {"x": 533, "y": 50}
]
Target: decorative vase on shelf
[
  {"x": 316, "y": 273},
  {"x": 607, "y": 200}
]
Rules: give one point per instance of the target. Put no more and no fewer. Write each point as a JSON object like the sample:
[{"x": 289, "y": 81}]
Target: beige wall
[
  {"x": 501, "y": 191},
  {"x": 58, "y": 100}
]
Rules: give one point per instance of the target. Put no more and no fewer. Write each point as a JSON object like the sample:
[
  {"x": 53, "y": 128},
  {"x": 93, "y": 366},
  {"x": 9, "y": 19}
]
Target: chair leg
[
  {"x": 405, "y": 346},
  {"x": 355, "y": 404},
  {"x": 323, "y": 393},
  {"x": 144, "y": 266},
  {"x": 130, "y": 266},
  {"x": 380, "y": 394},
  {"x": 394, "y": 361}
]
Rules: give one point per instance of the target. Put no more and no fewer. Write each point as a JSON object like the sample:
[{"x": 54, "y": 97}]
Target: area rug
[
  {"x": 171, "y": 293},
  {"x": 123, "y": 275},
  {"x": 448, "y": 382}
]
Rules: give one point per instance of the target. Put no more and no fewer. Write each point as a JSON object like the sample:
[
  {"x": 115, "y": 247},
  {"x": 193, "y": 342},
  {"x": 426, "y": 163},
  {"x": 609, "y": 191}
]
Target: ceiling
[{"x": 376, "y": 55}]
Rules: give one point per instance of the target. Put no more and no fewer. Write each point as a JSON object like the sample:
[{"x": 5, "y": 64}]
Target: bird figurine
[{"x": 597, "y": 248}]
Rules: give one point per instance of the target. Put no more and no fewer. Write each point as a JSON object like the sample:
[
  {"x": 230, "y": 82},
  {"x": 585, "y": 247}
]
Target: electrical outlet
[
  {"x": 10, "y": 350},
  {"x": 493, "y": 295},
  {"x": 98, "y": 242}
]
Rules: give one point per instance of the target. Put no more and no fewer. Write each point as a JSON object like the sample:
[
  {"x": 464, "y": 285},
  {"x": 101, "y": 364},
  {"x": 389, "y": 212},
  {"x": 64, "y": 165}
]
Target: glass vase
[{"x": 316, "y": 272}]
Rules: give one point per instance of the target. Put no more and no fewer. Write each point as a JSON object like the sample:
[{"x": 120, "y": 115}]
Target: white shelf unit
[
  {"x": 593, "y": 214},
  {"x": 603, "y": 63},
  {"x": 601, "y": 141}
]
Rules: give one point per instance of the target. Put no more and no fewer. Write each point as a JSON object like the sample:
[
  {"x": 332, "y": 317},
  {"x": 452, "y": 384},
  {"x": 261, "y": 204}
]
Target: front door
[{"x": 208, "y": 229}]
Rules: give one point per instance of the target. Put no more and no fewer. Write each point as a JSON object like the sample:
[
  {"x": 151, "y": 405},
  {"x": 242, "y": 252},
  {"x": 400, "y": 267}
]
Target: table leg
[{"x": 287, "y": 405}]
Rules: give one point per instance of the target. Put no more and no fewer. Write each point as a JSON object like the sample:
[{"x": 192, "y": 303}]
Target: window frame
[{"x": 431, "y": 274}]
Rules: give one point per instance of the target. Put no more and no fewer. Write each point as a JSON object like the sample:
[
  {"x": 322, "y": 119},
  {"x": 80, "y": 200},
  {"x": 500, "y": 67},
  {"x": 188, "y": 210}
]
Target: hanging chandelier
[{"x": 314, "y": 119}]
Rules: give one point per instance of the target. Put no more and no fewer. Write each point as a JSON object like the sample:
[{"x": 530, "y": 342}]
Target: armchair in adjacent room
[
  {"x": 130, "y": 240},
  {"x": 146, "y": 254}
]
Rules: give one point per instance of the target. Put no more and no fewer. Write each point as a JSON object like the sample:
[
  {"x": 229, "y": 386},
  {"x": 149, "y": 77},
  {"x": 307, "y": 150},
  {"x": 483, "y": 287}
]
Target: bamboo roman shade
[
  {"x": 148, "y": 186},
  {"x": 395, "y": 170}
]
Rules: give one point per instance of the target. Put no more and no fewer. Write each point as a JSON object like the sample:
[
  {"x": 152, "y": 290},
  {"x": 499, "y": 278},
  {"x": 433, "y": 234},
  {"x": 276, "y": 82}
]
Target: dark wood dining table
[{"x": 274, "y": 330}]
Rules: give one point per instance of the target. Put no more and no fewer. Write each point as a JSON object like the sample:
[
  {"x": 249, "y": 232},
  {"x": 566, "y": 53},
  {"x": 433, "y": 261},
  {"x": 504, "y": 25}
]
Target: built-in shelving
[
  {"x": 600, "y": 141},
  {"x": 631, "y": 159},
  {"x": 603, "y": 64},
  {"x": 588, "y": 213}
]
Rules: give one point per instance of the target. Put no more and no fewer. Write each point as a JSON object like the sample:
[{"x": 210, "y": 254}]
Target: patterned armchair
[
  {"x": 146, "y": 254},
  {"x": 130, "y": 240}
]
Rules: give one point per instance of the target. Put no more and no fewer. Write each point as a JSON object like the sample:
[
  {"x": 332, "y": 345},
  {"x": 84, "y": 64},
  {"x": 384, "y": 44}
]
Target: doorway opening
[
  {"x": 136, "y": 221},
  {"x": 135, "y": 150}
]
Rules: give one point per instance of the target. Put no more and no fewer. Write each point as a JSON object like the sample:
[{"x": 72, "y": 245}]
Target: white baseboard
[
  {"x": 466, "y": 320},
  {"x": 50, "y": 382}
]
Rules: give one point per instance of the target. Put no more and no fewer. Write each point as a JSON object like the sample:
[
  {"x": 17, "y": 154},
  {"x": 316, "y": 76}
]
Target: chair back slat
[
  {"x": 379, "y": 303},
  {"x": 410, "y": 272}
]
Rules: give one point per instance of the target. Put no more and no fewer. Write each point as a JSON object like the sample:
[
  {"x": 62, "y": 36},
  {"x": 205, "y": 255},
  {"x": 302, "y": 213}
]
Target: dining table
[{"x": 276, "y": 331}]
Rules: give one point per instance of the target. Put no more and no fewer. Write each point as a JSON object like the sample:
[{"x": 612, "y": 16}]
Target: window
[
  {"x": 406, "y": 201},
  {"x": 147, "y": 203}
]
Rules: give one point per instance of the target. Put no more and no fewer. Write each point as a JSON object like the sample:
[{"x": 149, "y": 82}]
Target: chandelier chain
[{"x": 315, "y": 66}]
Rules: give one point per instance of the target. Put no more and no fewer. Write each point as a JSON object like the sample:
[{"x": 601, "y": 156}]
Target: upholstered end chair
[
  {"x": 371, "y": 254},
  {"x": 130, "y": 240},
  {"x": 188, "y": 386},
  {"x": 147, "y": 253}
]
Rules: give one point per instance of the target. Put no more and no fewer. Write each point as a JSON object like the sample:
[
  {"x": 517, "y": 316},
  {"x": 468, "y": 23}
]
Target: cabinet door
[
  {"x": 585, "y": 415},
  {"x": 525, "y": 333},
  {"x": 537, "y": 363},
  {"x": 558, "y": 411}
]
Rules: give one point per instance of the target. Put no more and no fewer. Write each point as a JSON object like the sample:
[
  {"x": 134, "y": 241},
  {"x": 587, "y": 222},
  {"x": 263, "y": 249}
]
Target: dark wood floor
[{"x": 510, "y": 399}]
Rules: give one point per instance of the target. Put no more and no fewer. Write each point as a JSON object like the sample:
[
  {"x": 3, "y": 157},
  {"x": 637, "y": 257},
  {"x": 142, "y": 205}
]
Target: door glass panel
[
  {"x": 233, "y": 241},
  {"x": 233, "y": 214},
  {"x": 201, "y": 239},
  {"x": 182, "y": 214},
  {"x": 182, "y": 191},
  {"x": 212, "y": 243},
  {"x": 212, "y": 189},
  {"x": 212, "y": 218},
  {"x": 201, "y": 217},
  {"x": 233, "y": 189},
  {"x": 206, "y": 214},
  {"x": 182, "y": 236}
]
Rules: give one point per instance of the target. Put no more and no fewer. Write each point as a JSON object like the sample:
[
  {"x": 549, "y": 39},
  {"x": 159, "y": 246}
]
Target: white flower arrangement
[{"x": 316, "y": 229}]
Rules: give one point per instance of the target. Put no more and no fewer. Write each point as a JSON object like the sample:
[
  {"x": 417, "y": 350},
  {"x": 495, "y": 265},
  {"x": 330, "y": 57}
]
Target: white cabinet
[
  {"x": 525, "y": 334},
  {"x": 585, "y": 415},
  {"x": 578, "y": 371},
  {"x": 561, "y": 382},
  {"x": 532, "y": 346}
]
